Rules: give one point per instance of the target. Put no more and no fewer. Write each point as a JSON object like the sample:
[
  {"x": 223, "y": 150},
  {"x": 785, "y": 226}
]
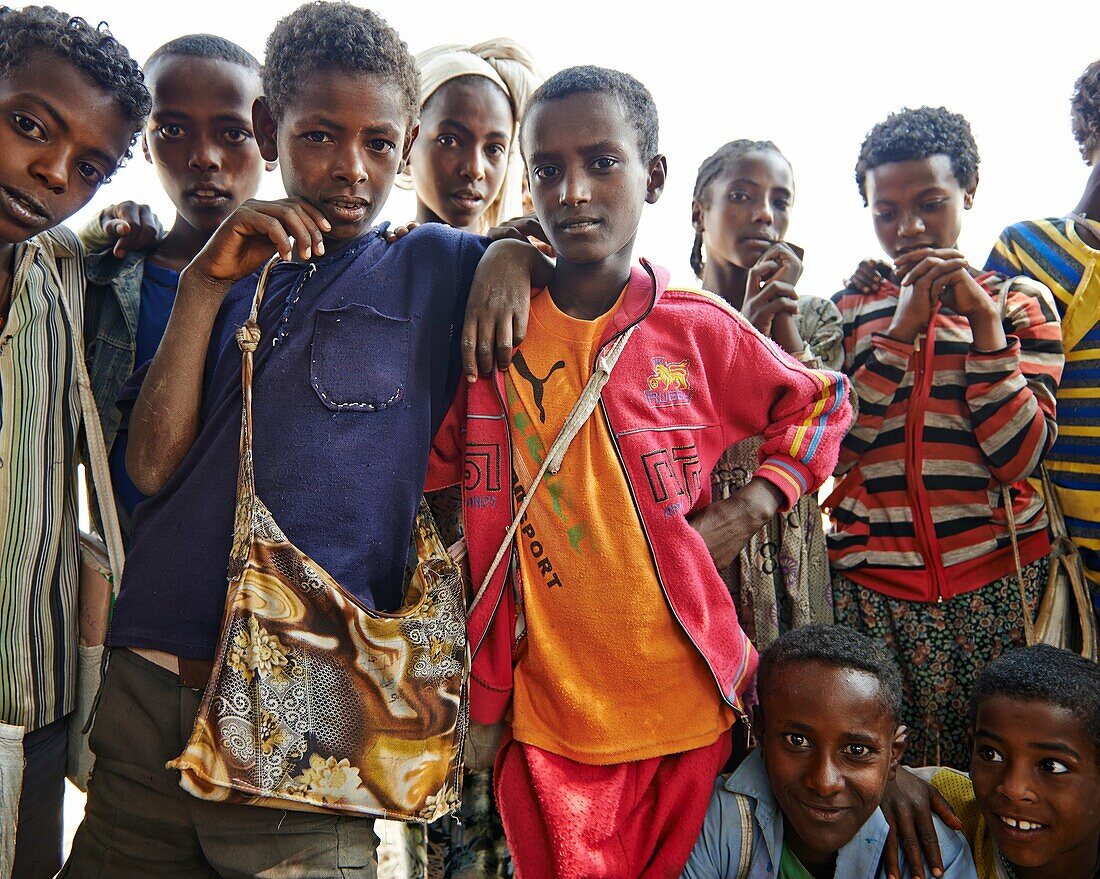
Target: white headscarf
[{"x": 511, "y": 68}]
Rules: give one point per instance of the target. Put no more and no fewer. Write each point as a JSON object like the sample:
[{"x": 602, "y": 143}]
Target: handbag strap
[
  {"x": 97, "y": 448},
  {"x": 574, "y": 421},
  {"x": 248, "y": 340},
  {"x": 1029, "y": 613},
  {"x": 1010, "y": 514}
]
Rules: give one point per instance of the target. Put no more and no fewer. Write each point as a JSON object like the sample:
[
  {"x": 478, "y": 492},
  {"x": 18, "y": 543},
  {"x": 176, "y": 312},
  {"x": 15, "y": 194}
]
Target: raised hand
[
  {"x": 133, "y": 227},
  {"x": 867, "y": 277},
  {"x": 771, "y": 302},
  {"x": 256, "y": 230}
]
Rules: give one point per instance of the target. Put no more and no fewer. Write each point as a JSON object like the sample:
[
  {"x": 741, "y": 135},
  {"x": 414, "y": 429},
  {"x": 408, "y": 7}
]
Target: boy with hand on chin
[
  {"x": 608, "y": 558},
  {"x": 357, "y": 366},
  {"x": 805, "y": 804}
]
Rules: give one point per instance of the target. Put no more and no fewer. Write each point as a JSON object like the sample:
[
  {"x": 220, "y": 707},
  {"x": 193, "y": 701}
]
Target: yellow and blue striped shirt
[
  {"x": 1052, "y": 251},
  {"x": 39, "y": 423}
]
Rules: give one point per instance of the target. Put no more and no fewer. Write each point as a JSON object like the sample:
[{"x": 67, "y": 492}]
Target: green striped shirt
[{"x": 39, "y": 424}]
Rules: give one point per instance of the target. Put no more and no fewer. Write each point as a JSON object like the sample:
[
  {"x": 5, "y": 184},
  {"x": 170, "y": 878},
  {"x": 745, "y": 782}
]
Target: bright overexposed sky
[{"x": 811, "y": 76}]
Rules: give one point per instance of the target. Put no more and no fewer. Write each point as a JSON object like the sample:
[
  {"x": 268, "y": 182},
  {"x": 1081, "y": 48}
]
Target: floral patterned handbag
[{"x": 316, "y": 702}]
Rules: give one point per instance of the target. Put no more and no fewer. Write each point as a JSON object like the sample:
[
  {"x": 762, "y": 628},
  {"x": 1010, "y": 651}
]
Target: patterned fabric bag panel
[{"x": 315, "y": 702}]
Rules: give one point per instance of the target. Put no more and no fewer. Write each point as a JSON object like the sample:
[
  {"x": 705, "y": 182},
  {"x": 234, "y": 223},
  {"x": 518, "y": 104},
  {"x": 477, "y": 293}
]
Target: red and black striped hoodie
[{"x": 919, "y": 511}]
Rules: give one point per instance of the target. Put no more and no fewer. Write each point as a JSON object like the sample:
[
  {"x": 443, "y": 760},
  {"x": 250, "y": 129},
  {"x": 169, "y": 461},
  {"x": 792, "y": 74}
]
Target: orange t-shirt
[{"x": 605, "y": 673}]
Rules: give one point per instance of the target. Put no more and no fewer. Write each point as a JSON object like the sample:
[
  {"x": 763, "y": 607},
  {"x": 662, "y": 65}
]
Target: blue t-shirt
[
  {"x": 158, "y": 293},
  {"x": 356, "y": 368}
]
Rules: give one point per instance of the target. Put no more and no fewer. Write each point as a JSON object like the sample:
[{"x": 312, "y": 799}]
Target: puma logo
[{"x": 538, "y": 385}]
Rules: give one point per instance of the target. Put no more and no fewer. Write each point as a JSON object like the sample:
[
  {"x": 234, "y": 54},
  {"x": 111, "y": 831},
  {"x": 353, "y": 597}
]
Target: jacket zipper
[
  {"x": 656, "y": 568},
  {"x": 741, "y": 715},
  {"x": 923, "y": 525},
  {"x": 509, "y": 562}
]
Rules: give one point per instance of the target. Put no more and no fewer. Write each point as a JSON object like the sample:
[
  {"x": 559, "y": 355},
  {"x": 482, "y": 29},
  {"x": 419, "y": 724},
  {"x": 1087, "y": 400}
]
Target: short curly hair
[
  {"x": 1085, "y": 112},
  {"x": 835, "y": 647},
  {"x": 1044, "y": 674},
  {"x": 204, "y": 46},
  {"x": 635, "y": 98},
  {"x": 36, "y": 30},
  {"x": 325, "y": 36},
  {"x": 919, "y": 134}
]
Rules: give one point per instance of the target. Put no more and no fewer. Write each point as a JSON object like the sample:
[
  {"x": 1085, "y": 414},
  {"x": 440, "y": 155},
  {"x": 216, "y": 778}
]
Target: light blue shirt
[{"x": 717, "y": 852}]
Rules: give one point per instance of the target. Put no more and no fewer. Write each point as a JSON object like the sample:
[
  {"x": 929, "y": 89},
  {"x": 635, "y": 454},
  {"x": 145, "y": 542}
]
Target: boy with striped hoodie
[
  {"x": 955, "y": 370},
  {"x": 614, "y": 652}
]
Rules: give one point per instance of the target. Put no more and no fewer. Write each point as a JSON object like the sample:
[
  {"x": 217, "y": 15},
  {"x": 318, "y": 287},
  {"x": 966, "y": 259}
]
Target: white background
[{"x": 813, "y": 77}]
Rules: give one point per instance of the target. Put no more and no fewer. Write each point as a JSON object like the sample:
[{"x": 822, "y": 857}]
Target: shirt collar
[{"x": 859, "y": 856}]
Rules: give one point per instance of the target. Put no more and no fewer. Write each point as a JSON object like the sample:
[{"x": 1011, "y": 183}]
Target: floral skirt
[
  {"x": 780, "y": 580},
  {"x": 941, "y": 649}
]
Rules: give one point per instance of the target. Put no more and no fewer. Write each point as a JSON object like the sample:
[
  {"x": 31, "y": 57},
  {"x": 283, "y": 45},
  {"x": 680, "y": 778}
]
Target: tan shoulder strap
[
  {"x": 574, "y": 421},
  {"x": 744, "y": 810},
  {"x": 97, "y": 449}
]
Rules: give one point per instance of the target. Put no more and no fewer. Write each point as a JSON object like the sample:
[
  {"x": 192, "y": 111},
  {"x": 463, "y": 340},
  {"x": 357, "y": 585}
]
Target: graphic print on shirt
[
  {"x": 526, "y": 434},
  {"x": 538, "y": 385},
  {"x": 674, "y": 475},
  {"x": 668, "y": 384}
]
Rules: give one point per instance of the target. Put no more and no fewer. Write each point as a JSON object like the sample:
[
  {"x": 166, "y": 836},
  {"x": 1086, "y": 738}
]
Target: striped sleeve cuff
[{"x": 792, "y": 479}]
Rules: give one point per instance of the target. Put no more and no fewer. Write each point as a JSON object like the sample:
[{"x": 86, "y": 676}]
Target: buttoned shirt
[
  {"x": 40, "y": 420},
  {"x": 718, "y": 851}
]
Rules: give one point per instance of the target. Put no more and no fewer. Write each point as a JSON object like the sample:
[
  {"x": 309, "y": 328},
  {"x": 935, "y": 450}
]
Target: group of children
[{"x": 442, "y": 361}]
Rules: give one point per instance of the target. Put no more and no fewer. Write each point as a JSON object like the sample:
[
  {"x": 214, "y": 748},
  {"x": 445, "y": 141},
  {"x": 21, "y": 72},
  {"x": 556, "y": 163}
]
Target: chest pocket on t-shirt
[{"x": 359, "y": 359}]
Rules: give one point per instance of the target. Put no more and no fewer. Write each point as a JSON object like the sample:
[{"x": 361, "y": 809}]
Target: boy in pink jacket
[{"x": 615, "y": 653}]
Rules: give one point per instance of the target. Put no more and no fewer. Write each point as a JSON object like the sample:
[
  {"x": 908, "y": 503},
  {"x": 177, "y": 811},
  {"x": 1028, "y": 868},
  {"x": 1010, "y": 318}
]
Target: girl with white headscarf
[
  {"x": 467, "y": 172},
  {"x": 465, "y": 165}
]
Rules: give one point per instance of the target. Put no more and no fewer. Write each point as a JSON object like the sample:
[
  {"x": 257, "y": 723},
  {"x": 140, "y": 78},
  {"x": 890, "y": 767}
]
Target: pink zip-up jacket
[{"x": 694, "y": 379}]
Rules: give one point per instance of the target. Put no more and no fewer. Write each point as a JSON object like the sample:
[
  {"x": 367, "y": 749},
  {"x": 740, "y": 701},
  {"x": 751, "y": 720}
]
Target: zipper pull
[{"x": 916, "y": 342}]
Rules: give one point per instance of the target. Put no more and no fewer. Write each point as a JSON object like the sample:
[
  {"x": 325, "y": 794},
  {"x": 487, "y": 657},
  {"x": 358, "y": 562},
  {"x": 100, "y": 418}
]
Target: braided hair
[{"x": 710, "y": 170}]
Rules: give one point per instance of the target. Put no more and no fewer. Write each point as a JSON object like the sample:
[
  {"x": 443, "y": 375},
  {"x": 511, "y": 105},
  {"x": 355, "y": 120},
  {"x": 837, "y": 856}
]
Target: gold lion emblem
[{"x": 669, "y": 376}]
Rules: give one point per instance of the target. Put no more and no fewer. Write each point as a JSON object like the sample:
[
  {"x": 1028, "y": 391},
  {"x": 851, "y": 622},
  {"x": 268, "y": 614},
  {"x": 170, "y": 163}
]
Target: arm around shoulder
[{"x": 958, "y": 862}]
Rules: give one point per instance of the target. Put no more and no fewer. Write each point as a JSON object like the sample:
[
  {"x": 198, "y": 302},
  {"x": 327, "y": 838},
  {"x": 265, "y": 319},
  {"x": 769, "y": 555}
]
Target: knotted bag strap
[
  {"x": 248, "y": 340},
  {"x": 574, "y": 421}
]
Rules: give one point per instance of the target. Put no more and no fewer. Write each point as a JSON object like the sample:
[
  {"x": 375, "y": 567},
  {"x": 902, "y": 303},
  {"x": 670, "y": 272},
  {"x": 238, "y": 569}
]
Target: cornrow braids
[
  {"x": 93, "y": 50},
  {"x": 711, "y": 169},
  {"x": 1085, "y": 112}
]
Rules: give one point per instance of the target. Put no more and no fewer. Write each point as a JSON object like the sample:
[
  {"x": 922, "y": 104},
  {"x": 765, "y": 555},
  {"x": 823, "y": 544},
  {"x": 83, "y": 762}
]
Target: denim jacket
[
  {"x": 717, "y": 853},
  {"x": 110, "y": 339}
]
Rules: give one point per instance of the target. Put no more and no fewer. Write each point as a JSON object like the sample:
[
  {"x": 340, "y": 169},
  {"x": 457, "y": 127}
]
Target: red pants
[{"x": 569, "y": 820}]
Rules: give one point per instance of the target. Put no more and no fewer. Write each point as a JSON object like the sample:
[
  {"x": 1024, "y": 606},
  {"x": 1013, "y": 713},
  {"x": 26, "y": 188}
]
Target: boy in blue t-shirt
[
  {"x": 357, "y": 367},
  {"x": 200, "y": 139},
  {"x": 805, "y": 805}
]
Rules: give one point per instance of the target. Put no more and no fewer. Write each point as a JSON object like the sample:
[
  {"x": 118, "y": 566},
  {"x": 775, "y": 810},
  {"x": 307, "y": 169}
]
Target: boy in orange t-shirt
[{"x": 615, "y": 653}]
